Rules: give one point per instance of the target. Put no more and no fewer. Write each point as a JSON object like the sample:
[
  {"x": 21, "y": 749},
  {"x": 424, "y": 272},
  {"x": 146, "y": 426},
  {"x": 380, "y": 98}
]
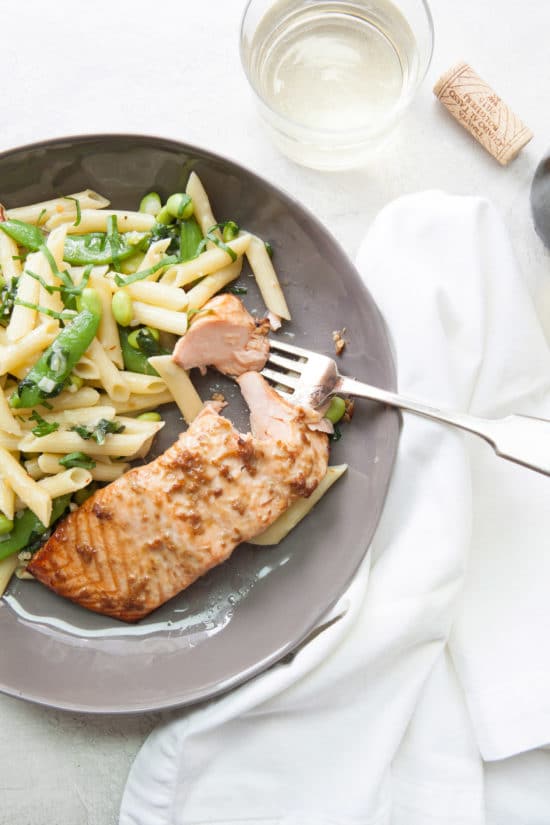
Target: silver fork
[{"x": 307, "y": 378}]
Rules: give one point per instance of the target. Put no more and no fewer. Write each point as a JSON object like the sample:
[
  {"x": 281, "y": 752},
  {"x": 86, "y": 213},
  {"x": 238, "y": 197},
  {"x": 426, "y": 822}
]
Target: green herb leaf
[
  {"x": 77, "y": 459},
  {"x": 238, "y": 290},
  {"x": 43, "y": 427},
  {"x": 78, "y": 210},
  {"x": 336, "y": 435},
  {"x": 140, "y": 276},
  {"x": 99, "y": 432},
  {"x": 213, "y": 238}
]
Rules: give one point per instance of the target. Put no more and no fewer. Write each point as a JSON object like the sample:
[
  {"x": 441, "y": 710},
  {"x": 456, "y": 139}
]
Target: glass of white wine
[{"x": 332, "y": 77}]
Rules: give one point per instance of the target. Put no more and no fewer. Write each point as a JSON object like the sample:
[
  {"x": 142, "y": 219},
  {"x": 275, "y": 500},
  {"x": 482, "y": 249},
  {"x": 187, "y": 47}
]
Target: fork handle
[{"x": 519, "y": 438}]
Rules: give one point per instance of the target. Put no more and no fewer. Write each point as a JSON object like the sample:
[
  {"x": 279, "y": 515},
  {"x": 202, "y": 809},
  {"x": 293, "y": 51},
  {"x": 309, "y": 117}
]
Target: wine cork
[{"x": 482, "y": 112}]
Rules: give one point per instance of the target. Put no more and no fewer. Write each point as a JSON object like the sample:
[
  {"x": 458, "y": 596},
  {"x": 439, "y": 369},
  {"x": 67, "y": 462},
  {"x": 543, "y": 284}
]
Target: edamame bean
[
  {"x": 149, "y": 416},
  {"x": 89, "y": 299},
  {"x": 150, "y": 203},
  {"x": 180, "y": 205},
  {"x": 336, "y": 409},
  {"x": 230, "y": 231},
  {"x": 165, "y": 217},
  {"x": 122, "y": 307}
]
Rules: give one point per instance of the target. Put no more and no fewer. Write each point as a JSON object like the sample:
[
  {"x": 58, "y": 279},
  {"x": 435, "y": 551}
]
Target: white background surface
[{"x": 173, "y": 70}]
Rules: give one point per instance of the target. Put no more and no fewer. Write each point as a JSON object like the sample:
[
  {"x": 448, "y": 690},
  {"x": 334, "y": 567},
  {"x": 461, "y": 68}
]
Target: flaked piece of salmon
[
  {"x": 224, "y": 335},
  {"x": 154, "y": 531}
]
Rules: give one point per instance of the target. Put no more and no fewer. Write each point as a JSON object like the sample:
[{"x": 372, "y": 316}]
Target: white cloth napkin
[{"x": 443, "y": 657}]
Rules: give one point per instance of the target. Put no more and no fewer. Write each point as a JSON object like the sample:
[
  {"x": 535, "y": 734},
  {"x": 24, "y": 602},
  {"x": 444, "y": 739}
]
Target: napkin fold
[{"x": 441, "y": 658}]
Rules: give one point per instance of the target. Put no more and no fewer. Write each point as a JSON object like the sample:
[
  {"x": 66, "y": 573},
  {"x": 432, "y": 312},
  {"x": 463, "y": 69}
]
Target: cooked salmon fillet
[
  {"x": 224, "y": 335},
  {"x": 150, "y": 534}
]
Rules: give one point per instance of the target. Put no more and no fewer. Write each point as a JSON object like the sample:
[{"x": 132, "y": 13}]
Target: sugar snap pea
[
  {"x": 24, "y": 234},
  {"x": 190, "y": 239},
  {"x": 48, "y": 376},
  {"x": 27, "y": 528},
  {"x": 95, "y": 248},
  {"x": 136, "y": 360}
]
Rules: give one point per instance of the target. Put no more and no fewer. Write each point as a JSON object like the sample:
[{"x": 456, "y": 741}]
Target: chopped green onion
[{"x": 100, "y": 431}]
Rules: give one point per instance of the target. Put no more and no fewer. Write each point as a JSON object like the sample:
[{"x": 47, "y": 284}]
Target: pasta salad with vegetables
[{"x": 92, "y": 301}]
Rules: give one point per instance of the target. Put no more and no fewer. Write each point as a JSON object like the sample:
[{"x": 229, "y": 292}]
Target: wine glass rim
[{"x": 356, "y": 132}]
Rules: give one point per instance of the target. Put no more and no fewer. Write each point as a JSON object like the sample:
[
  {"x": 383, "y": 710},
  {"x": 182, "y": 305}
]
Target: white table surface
[{"x": 173, "y": 69}]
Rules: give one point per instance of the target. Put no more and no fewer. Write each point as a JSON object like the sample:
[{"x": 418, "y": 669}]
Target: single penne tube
[
  {"x": 17, "y": 355},
  {"x": 160, "y": 318},
  {"x": 209, "y": 286},
  {"x": 160, "y": 295},
  {"x": 108, "y": 330},
  {"x": 88, "y": 199},
  {"x": 142, "y": 403},
  {"x": 180, "y": 386},
  {"x": 103, "y": 470},
  {"x": 82, "y": 398},
  {"x": 7, "y": 569},
  {"x": 266, "y": 278},
  {"x": 144, "y": 384},
  {"x": 154, "y": 256},
  {"x": 87, "y": 369},
  {"x": 83, "y": 415},
  {"x": 66, "y": 482},
  {"x": 95, "y": 220},
  {"x": 36, "y": 499},
  {"x": 201, "y": 202},
  {"x": 135, "y": 425},
  {"x": 23, "y": 318},
  {"x": 66, "y": 441},
  {"x": 297, "y": 511},
  {"x": 9, "y": 442},
  {"x": 7, "y": 499},
  {"x": 10, "y": 264},
  {"x": 205, "y": 263},
  {"x": 8, "y": 422},
  {"x": 111, "y": 378}
]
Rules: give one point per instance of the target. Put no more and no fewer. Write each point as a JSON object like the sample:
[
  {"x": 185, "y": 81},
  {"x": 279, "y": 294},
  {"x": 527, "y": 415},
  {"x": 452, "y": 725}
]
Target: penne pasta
[
  {"x": 160, "y": 295},
  {"x": 204, "y": 264},
  {"x": 23, "y": 319},
  {"x": 32, "y": 468},
  {"x": 7, "y": 569},
  {"x": 266, "y": 278},
  {"x": 16, "y": 356},
  {"x": 88, "y": 199},
  {"x": 286, "y": 522},
  {"x": 154, "y": 256},
  {"x": 87, "y": 369},
  {"x": 35, "y": 498},
  {"x": 111, "y": 378},
  {"x": 108, "y": 330},
  {"x": 7, "y": 499},
  {"x": 160, "y": 318},
  {"x": 201, "y": 202},
  {"x": 142, "y": 403},
  {"x": 180, "y": 386},
  {"x": 95, "y": 220},
  {"x": 66, "y": 441},
  {"x": 8, "y": 423},
  {"x": 103, "y": 470},
  {"x": 67, "y": 400},
  {"x": 85, "y": 415},
  {"x": 10, "y": 265},
  {"x": 144, "y": 384},
  {"x": 209, "y": 286},
  {"x": 66, "y": 482}
]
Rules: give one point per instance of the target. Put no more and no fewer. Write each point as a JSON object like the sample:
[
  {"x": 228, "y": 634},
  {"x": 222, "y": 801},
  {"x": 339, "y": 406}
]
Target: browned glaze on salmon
[
  {"x": 225, "y": 336},
  {"x": 150, "y": 534}
]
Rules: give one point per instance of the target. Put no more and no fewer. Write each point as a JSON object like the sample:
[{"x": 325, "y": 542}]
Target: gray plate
[{"x": 253, "y": 610}]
